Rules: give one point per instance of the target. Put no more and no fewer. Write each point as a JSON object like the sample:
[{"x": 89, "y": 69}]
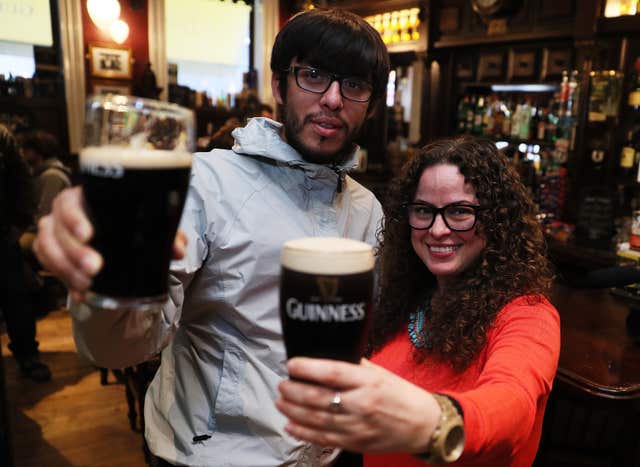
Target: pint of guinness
[
  {"x": 135, "y": 168},
  {"x": 326, "y": 294}
]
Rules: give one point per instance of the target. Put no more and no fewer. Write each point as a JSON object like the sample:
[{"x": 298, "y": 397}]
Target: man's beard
[{"x": 293, "y": 128}]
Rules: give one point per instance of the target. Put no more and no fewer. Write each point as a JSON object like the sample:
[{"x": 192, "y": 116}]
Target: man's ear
[
  {"x": 373, "y": 107},
  {"x": 275, "y": 88}
]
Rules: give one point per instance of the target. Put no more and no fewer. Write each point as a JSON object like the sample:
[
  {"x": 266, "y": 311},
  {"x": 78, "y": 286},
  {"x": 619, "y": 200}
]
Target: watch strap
[{"x": 447, "y": 440}]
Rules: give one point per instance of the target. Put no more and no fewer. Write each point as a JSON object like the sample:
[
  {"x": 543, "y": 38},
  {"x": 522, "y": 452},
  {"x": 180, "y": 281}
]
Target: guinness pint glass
[
  {"x": 326, "y": 292},
  {"x": 135, "y": 166}
]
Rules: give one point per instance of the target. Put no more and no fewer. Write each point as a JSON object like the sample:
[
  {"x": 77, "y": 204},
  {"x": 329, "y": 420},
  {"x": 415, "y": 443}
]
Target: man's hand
[{"x": 61, "y": 243}]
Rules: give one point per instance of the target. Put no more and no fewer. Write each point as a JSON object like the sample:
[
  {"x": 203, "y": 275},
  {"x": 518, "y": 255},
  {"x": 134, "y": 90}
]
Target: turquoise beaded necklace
[{"x": 416, "y": 325}]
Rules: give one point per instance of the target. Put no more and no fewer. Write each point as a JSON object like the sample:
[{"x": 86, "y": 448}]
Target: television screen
[{"x": 26, "y": 21}]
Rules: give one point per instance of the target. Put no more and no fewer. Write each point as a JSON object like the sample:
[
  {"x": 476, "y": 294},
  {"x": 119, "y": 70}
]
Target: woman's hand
[{"x": 378, "y": 410}]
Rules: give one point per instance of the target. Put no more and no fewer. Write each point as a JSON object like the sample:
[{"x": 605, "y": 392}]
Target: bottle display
[{"x": 536, "y": 129}]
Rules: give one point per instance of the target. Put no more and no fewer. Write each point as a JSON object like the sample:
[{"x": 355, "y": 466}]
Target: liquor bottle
[
  {"x": 524, "y": 125},
  {"x": 571, "y": 111},
  {"x": 542, "y": 124},
  {"x": 572, "y": 94},
  {"x": 477, "y": 116},
  {"x": 498, "y": 117},
  {"x": 631, "y": 119},
  {"x": 634, "y": 94},
  {"x": 564, "y": 94},
  {"x": 488, "y": 119},
  {"x": 463, "y": 107},
  {"x": 470, "y": 113},
  {"x": 516, "y": 118},
  {"x": 628, "y": 155},
  {"x": 533, "y": 125},
  {"x": 508, "y": 115},
  {"x": 551, "y": 130}
]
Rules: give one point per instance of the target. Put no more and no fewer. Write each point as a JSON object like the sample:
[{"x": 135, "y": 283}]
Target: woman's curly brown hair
[{"x": 512, "y": 264}]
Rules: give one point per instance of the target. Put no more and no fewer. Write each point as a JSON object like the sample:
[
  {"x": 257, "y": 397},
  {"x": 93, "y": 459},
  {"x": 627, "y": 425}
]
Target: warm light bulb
[
  {"x": 119, "y": 31},
  {"x": 103, "y": 12}
]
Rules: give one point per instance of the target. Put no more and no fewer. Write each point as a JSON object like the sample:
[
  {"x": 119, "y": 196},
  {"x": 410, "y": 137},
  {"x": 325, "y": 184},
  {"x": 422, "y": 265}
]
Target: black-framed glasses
[
  {"x": 458, "y": 217},
  {"x": 318, "y": 81}
]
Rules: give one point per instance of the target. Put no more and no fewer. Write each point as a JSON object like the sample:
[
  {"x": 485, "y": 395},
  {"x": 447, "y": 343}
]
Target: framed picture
[
  {"x": 464, "y": 67},
  {"x": 105, "y": 86},
  {"x": 490, "y": 66},
  {"x": 110, "y": 62},
  {"x": 554, "y": 61},
  {"x": 449, "y": 21},
  {"x": 521, "y": 64}
]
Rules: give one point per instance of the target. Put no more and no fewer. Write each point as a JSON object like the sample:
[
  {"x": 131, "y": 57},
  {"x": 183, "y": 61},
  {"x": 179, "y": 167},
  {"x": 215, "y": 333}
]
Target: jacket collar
[{"x": 261, "y": 137}]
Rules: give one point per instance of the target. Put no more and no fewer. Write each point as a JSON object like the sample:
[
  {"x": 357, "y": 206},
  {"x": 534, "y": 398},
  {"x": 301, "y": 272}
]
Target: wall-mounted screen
[{"x": 26, "y": 21}]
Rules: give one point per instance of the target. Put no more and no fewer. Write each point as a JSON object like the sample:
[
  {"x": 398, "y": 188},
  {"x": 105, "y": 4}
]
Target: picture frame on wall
[
  {"x": 110, "y": 61},
  {"x": 105, "y": 86},
  {"x": 464, "y": 67},
  {"x": 490, "y": 66},
  {"x": 521, "y": 64},
  {"x": 554, "y": 61}
]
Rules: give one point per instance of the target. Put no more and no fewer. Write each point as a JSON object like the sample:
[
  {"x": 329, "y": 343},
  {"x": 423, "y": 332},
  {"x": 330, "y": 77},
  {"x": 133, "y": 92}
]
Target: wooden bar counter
[{"x": 593, "y": 414}]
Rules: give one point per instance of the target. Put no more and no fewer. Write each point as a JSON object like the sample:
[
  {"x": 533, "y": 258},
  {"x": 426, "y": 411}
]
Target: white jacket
[{"x": 223, "y": 352}]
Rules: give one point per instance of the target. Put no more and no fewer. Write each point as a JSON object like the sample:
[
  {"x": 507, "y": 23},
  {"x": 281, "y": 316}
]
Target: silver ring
[{"x": 336, "y": 403}]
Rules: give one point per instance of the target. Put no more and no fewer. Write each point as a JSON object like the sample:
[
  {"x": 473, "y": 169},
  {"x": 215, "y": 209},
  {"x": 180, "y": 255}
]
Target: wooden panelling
[{"x": 531, "y": 20}]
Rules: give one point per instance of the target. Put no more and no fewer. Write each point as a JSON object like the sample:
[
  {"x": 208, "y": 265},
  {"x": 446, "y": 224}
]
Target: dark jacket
[{"x": 17, "y": 200}]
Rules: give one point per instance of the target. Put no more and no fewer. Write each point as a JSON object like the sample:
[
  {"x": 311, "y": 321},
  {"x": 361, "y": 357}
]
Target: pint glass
[
  {"x": 326, "y": 294},
  {"x": 135, "y": 165}
]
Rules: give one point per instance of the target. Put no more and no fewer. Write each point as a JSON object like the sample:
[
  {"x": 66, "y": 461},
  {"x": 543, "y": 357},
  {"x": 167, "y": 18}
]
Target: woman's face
[{"x": 445, "y": 252}]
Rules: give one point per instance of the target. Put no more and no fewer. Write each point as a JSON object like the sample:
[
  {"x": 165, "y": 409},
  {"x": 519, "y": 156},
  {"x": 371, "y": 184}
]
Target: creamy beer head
[
  {"x": 326, "y": 295},
  {"x": 327, "y": 255},
  {"x": 130, "y": 158}
]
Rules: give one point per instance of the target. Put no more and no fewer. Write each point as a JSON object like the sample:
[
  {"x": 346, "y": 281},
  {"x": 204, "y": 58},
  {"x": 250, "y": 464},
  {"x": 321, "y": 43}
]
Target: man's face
[
  {"x": 31, "y": 157},
  {"x": 321, "y": 127}
]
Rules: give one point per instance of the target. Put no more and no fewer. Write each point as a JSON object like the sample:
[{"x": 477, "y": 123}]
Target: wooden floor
[{"x": 71, "y": 420}]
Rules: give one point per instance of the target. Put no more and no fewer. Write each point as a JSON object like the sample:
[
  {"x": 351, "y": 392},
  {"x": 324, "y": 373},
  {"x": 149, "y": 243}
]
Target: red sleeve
[{"x": 503, "y": 412}]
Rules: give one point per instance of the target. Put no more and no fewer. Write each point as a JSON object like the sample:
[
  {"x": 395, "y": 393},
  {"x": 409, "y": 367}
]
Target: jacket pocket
[{"x": 228, "y": 407}]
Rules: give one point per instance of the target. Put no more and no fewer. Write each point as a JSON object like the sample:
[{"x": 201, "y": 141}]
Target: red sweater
[{"x": 503, "y": 393}]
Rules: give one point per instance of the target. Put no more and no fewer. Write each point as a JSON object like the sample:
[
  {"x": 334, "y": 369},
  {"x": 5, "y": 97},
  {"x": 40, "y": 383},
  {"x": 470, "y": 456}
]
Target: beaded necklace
[{"x": 416, "y": 325}]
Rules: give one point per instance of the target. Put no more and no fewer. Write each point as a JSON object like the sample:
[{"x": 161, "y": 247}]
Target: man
[
  {"x": 212, "y": 401},
  {"x": 42, "y": 152}
]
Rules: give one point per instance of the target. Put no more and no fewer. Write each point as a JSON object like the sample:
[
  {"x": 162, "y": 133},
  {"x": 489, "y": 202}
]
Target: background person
[
  {"x": 212, "y": 400},
  {"x": 16, "y": 213},
  {"x": 44, "y": 155},
  {"x": 462, "y": 314}
]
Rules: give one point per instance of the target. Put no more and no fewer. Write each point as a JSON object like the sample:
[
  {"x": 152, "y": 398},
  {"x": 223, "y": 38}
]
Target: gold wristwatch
[{"x": 447, "y": 441}]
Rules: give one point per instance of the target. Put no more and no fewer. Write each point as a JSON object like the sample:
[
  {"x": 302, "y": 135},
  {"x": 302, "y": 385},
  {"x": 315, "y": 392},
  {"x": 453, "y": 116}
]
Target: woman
[{"x": 464, "y": 339}]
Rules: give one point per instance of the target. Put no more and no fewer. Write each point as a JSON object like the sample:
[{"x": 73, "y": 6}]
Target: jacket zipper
[{"x": 340, "y": 172}]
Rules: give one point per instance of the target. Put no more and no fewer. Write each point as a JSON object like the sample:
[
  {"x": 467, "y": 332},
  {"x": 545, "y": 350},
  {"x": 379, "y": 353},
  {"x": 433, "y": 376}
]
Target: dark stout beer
[
  {"x": 326, "y": 292},
  {"x": 134, "y": 199}
]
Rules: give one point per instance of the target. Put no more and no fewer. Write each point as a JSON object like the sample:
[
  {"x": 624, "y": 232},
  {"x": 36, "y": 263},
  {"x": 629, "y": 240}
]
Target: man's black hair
[{"x": 334, "y": 40}]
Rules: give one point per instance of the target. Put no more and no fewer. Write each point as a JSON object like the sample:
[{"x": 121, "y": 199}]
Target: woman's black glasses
[{"x": 457, "y": 217}]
